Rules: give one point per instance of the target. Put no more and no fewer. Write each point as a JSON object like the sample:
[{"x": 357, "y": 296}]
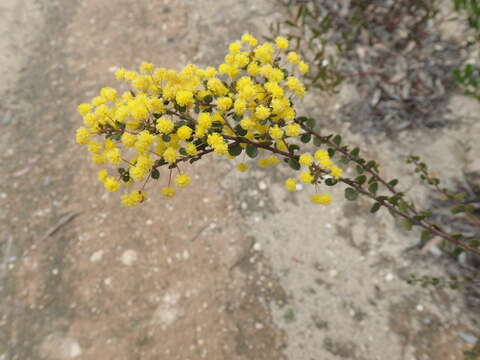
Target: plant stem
[{"x": 422, "y": 223}]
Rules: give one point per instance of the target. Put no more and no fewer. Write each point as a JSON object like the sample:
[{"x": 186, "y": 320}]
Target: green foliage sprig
[
  {"x": 457, "y": 199},
  {"x": 451, "y": 282},
  {"x": 471, "y": 9}
]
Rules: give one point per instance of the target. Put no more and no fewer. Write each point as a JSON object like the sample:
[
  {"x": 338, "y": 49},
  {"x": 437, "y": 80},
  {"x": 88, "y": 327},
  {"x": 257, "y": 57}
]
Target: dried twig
[{"x": 65, "y": 219}]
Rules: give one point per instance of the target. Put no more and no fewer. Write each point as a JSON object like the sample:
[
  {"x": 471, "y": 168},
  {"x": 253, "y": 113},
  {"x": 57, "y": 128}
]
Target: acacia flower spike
[{"x": 245, "y": 105}]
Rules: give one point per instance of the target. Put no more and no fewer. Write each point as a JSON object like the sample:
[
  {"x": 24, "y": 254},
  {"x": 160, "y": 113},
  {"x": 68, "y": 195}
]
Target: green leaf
[
  {"x": 407, "y": 224},
  {"x": 359, "y": 169},
  {"x": 361, "y": 179},
  {"x": 403, "y": 206},
  {"x": 294, "y": 164},
  {"x": 331, "y": 182},
  {"x": 252, "y": 151},
  {"x": 166, "y": 138},
  {"x": 394, "y": 215},
  {"x": 337, "y": 140},
  {"x": 373, "y": 188},
  {"x": 317, "y": 141},
  {"x": 375, "y": 207},
  {"x": 355, "y": 152},
  {"x": 423, "y": 215},
  {"x": 310, "y": 123},
  {"x": 425, "y": 235},
  {"x": 240, "y": 131},
  {"x": 393, "y": 182},
  {"x": 235, "y": 149},
  {"x": 474, "y": 243},
  {"x": 456, "y": 236},
  {"x": 293, "y": 147},
  {"x": 344, "y": 159},
  {"x": 457, "y": 209},
  {"x": 371, "y": 164},
  {"x": 305, "y": 138},
  {"x": 351, "y": 194},
  {"x": 155, "y": 174},
  {"x": 458, "y": 250},
  {"x": 393, "y": 200}
]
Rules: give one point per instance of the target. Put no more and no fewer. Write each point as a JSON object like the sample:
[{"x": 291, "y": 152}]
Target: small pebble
[
  {"x": 96, "y": 256},
  {"x": 469, "y": 338},
  {"x": 389, "y": 277},
  {"x": 129, "y": 257},
  {"x": 262, "y": 185},
  {"x": 7, "y": 118}
]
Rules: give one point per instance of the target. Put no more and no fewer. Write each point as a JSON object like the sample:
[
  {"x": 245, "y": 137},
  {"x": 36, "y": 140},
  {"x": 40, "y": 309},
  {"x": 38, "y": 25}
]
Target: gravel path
[{"x": 232, "y": 268}]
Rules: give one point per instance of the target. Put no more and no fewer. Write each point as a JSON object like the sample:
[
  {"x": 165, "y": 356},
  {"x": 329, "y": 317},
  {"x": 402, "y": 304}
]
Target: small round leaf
[{"x": 351, "y": 194}]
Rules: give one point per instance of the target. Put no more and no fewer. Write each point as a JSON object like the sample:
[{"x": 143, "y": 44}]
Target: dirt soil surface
[{"x": 232, "y": 267}]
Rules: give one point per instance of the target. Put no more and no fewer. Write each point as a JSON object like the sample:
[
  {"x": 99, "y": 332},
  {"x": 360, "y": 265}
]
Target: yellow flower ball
[
  {"x": 321, "y": 199},
  {"x": 336, "y": 172},
  {"x": 306, "y": 159},
  {"x": 281, "y": 43},
  {"x": 84, "y": 109},
  {"x": 165, "y": 125},
  {"x": 168, "y": 192},
  {"x": 275, "y": 132},
  {"x": 146, "y": 68},
  {"x": 111, "y": 184},
  {"x": 184, "y": 98},
  {"x": 291, "y": 184},
  {"x": 182, "y": 180},
  {"x": 262, "y": 112},
  {"x": 306, "y": 177},
  {"x": 242, "y": 167},
  {"x": 184, "y": 132},
  {"x": 293, "y": 129}
]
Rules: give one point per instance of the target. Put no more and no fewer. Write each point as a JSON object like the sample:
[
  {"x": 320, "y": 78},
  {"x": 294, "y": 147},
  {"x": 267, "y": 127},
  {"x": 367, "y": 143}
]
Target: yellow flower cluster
[
  {"x": 170, "y": 117},
  {"x": 318, "y": 164}
]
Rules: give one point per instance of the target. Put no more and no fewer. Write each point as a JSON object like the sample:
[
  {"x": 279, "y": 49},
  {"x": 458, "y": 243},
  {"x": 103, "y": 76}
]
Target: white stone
[
  {"x": 96, "y": 256},
  {"x": 389, "y": 277},
  {"x": 129, "y": 257}
]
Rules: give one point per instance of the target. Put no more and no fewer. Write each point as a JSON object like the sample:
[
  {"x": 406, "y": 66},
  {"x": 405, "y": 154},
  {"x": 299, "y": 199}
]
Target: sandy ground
[{"x": 233, "y": 267}]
